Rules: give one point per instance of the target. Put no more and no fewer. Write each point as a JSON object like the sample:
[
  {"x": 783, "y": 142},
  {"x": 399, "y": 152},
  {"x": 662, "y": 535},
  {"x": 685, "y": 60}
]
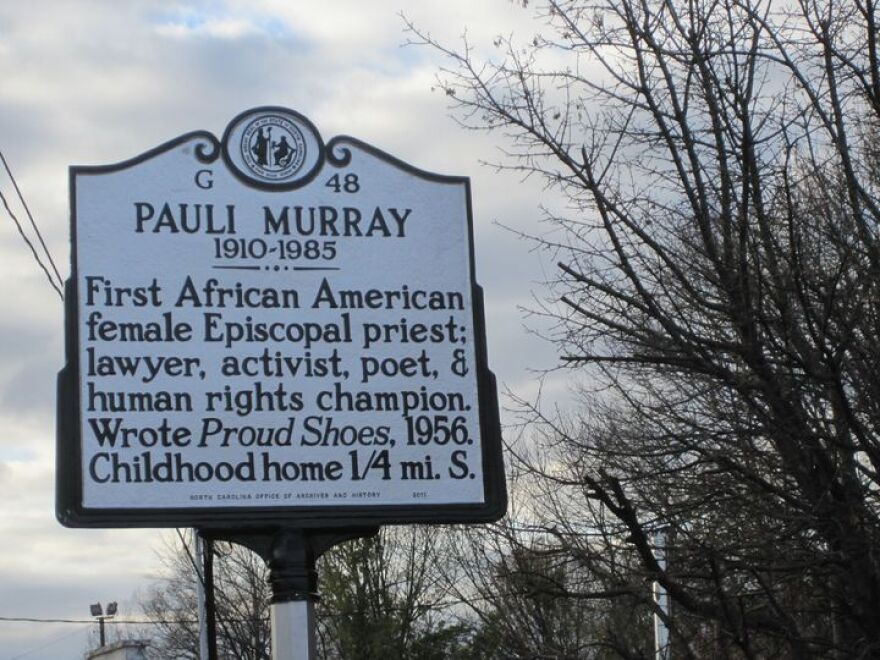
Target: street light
[{"x": 98, "y": 613}]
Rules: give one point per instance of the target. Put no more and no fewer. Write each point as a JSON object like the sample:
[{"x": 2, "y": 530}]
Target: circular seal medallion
[{"x": 272, "y": 147}]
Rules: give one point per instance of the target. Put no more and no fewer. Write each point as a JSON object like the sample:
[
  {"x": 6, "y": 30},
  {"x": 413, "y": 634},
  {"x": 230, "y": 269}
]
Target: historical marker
[{"x": 267, "y": 330}]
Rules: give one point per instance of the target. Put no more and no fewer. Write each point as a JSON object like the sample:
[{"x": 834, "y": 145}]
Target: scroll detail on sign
[{"x": 269, "y": 326}]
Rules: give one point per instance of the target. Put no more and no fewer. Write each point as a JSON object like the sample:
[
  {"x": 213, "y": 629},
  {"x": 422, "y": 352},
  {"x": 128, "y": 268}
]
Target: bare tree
[
  {"x": 529, "y": 598},
  {"x": 242, "y": 603},
  {"x": 383, "y": 596},
  {"x": 379, "y": 595},
  {"x": 718, "y": 291}
]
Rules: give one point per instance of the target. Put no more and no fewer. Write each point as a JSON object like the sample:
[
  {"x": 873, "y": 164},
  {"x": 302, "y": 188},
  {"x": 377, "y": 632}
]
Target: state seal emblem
[{"x": 272, "y": 147}]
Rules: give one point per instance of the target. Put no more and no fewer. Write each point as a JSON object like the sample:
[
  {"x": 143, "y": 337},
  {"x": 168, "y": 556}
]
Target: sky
[{"x": 96, "y": 82}]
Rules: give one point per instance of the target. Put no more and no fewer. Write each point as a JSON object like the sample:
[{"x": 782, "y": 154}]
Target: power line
[
  {"x": 124, "y": 622},
  {"x": 29, "y": 619},
  {"x": 31, "y": 218},
  {"x": 28, "y": 242}
]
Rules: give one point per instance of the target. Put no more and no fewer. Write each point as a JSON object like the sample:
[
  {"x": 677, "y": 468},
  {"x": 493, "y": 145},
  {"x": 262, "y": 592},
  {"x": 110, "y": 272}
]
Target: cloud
[{"x": 228, "y": 28}]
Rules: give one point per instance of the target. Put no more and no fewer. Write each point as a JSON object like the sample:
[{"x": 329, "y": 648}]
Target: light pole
[
  {"x": 662, "y": 650},
  {"x": 98, "y": 613}
]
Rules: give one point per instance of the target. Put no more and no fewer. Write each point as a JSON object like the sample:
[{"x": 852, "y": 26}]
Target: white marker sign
[{"x": 264, "y": 327}]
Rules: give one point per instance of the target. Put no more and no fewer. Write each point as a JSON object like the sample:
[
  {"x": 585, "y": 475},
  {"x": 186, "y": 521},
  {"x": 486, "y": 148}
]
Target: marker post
[
  {"x": 291, "y": 555},
  {"x": 294, "y": 593}
]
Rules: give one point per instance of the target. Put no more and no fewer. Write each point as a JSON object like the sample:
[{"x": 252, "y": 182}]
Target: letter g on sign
[{"x": 205, "y": 179}]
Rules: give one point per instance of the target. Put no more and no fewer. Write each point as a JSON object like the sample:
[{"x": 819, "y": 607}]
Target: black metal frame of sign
[{"x": 223, "y": 521}]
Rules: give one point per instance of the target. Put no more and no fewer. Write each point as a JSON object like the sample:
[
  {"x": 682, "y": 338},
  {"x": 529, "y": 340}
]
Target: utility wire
[
  {"x": 118, "y": 622},
  {"x": 28, "y": 619},
  {"x": 39, "y": 261},
  {"x": 31, "y": 218}
]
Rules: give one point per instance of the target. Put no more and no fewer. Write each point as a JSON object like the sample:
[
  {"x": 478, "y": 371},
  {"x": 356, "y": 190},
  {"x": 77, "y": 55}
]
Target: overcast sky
[{"x": 95, "y": 82}]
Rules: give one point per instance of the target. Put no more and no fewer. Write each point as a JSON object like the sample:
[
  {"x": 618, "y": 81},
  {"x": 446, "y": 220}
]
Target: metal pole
[
  {"x": 210, "y": 600},
  {"x": 200, "y": 590},
  {"x": 207, "y": 568},
  {"x": 101, "y": 630},
  {"x": 290, "y": 554},
  {"x": 294, "y": 593},
  {"x": 662, "y": 650},
  {"x": 293, "y": 630}
]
